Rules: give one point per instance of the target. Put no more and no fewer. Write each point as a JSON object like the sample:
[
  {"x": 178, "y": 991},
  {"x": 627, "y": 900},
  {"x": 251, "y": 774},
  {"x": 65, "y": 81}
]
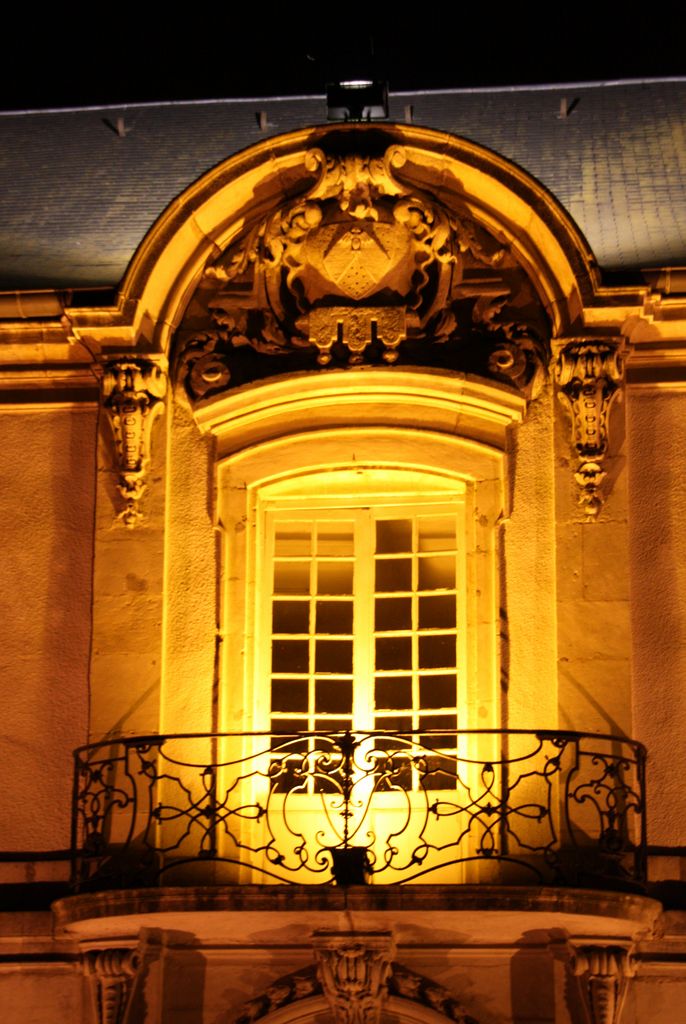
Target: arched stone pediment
[
  {"x": 390, "y": 246},
  {"x": 375, "y": 214},
  {"x": 369, "y": 263}
]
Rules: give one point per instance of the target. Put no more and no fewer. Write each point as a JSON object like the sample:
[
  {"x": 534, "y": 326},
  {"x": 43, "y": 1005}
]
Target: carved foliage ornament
[
  {"x": 589, "y": 374},
  {"x": 400, "y": 982},
  {"x": 353, "y": 971},
  {"x": 132, "y": 398},
  {"x": 603, "y": 973},
  {"x": 111, "y": 973},
  {"x": 363, "y": 267}
]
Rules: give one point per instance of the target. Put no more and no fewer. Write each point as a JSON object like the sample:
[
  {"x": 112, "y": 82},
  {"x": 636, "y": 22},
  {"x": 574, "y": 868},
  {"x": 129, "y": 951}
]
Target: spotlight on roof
[{"x": 357, "y": 100}]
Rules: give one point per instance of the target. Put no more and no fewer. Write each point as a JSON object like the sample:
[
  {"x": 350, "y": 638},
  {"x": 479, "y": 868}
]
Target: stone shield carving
[{"x": 365, "y": 265}]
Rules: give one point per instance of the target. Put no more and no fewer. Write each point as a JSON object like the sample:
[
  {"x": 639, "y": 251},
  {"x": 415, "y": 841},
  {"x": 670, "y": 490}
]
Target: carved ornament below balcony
[
  {"x": 353, "y": 971},
  {"x": 603, "y": 973},
  {"x": 364, "y": 266},
  {"x": 132, "y": 398},
  {"x": 589, "y": 373},
  {"x": 401, "y": 983},
  {"x": 111, "y": 973}
]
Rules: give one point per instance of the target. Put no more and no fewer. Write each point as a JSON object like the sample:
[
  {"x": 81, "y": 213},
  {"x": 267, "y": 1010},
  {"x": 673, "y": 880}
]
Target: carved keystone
[
  {"x": 132, "y": 394},
  {"x": 356, "y": 328},
  {"x": 603, "y": 973},
  {"x": 353, "y": 970},
  {"x": 589, "y": 374},
  {"x": 111, "y": 972}
]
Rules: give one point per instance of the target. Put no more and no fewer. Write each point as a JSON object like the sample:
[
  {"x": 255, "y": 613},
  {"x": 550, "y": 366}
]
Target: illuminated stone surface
[{"x": 366, "y": 322}]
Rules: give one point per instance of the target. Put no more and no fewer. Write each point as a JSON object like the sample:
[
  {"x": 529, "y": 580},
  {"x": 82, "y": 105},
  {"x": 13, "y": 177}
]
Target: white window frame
[{"x": 367, "y": 505}]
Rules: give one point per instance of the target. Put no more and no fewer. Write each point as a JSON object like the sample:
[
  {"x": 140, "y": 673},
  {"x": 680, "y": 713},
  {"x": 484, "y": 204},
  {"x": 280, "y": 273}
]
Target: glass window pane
[
  {"x": 335, "y": 578},
  {"x": 289, "y": 695},
  {"x": 438, "y": 691},
  {"x": 292, "y": 539},
  {"x": 393, "y": 574},
  {"x": 439, "y": 741},
  {"x": 440, "y": 722},
  {"x": 333, "y": 696},
  {"x": 290, "y": 656},
  {"x": 291, "y": 617},
  {"x": 436, "y": 533},
  {"x": 441, "y": 773},
  {"x": 292, "y": 578},
  {"x": 393, "y": 535},
  {"x": 437, "y": 573},
  {"x": 395, "y": 723},
  {"x": 393, "y": 692},
  {"x": 437, "y": 612},
  {"x": 334, "y": 656},
  {"x": 393, "y": 652},
  {"x": 281, "y": 725},
  {"x": 335, "y": 539},
  {"x": 332, "y": 725},
  {"x": 334, "y": 617},
  {"x": 437, "y": 651},
  {"x": 393, "y": 613}
]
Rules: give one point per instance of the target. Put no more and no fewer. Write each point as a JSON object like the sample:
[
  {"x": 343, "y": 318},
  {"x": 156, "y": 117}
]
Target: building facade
[{"x": 343, "y": 545}]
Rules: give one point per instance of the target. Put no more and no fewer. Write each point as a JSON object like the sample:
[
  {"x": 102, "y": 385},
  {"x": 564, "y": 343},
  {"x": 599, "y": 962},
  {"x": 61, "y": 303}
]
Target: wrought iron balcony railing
[{"x": 499, "y": 807}]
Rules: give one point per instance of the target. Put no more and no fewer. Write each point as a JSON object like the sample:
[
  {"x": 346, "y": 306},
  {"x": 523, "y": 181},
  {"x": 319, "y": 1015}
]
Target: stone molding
[
  {"x": 111, "y": 973},
  {"x": 132, "y": 398},
  {"x": 589, "y": 374},
  {"x": 603, "y": 973},
  {"x": 360, "y": 960}
]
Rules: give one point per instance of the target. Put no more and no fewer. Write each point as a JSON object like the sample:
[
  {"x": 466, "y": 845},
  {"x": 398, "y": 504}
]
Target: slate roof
[{"x": 76, "y": 199}]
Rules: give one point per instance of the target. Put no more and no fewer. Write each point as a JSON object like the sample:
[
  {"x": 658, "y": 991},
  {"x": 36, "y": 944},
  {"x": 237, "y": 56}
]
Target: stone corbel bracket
[
  {"x": 603, "y": 973},
  {"x": 589, "y": 374},
  {"x": 111, "y": 973},
  {"x": 353, "y": 970},
  {"x": 132, "y": 398}
]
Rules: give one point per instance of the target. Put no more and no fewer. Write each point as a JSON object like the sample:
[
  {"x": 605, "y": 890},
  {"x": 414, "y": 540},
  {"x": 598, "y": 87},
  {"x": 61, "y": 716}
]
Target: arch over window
[
  {"x": 496, "y": 204},
  {"x": 360, "y": 560}
]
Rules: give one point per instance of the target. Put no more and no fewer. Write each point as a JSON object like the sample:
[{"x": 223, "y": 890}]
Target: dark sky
[{"x": 118, "y": 56}]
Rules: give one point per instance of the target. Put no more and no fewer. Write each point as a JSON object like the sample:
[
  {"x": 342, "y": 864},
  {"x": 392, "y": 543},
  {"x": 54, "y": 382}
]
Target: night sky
[{"x": 120, "y": 56}]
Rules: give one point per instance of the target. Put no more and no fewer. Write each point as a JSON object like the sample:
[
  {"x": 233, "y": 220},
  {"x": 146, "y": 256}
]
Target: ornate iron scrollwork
[{"x": 557, "y": 807}]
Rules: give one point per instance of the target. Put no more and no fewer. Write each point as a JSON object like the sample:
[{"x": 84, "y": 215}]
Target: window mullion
[{"x": 363, "y": 650}]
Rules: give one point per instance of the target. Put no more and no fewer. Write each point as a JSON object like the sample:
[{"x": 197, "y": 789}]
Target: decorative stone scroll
[
  {"x": 589, "y": 374},
  {"x": 353, "y": 971},
  {"x": 364, "y": 266},
  {"x": 401, "y": 983},
  {"x": 299, "y": 985},
  {"x": 132, "y": 394},
  {"x": 603, "y": 973},
  {"x": 408, "y": 985},
  {"x": 111, "y": 973}
]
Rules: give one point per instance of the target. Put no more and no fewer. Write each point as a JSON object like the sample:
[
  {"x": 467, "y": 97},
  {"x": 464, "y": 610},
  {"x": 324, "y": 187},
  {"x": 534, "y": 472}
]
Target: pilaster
[{"x": 126, "y": 652}]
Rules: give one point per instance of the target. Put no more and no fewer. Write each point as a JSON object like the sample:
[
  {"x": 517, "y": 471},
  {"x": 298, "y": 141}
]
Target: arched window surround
[{"x": 446, "y": 435}]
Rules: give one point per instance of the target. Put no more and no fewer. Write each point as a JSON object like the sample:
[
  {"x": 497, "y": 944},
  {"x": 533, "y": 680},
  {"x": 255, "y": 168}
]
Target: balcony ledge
[{"x": 424, "y": 914}]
